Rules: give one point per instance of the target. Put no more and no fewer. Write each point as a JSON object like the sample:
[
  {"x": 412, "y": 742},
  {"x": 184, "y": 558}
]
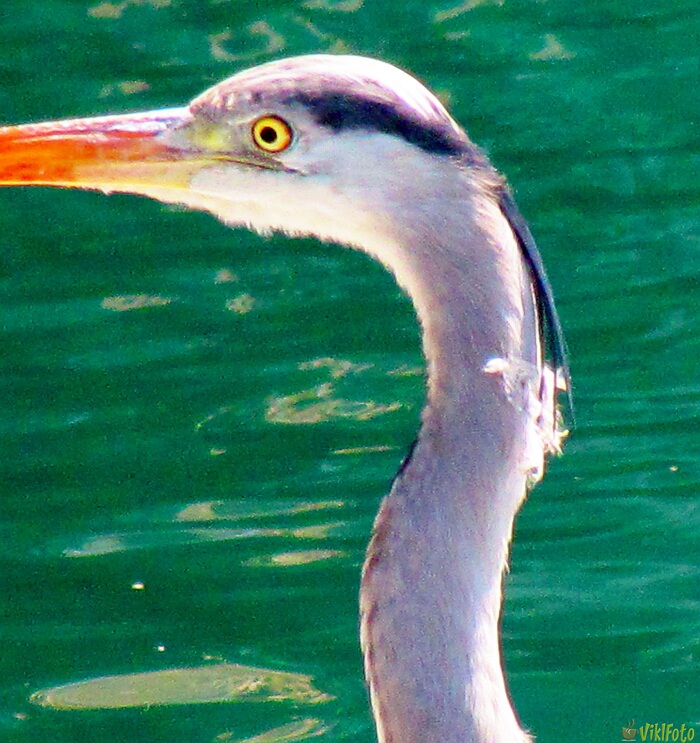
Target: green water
[{"x": 197, "y": 425}]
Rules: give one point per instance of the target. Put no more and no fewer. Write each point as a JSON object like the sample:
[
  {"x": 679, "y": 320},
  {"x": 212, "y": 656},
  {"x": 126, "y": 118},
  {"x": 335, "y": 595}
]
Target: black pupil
[{"x": 268, "y": 134}]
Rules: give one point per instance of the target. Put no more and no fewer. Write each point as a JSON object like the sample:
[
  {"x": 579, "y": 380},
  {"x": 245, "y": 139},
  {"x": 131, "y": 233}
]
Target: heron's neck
[{"x": 431, "y": 590}]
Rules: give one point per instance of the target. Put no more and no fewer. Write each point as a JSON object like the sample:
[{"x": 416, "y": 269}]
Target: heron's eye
[{"x": 272, "y": 134}]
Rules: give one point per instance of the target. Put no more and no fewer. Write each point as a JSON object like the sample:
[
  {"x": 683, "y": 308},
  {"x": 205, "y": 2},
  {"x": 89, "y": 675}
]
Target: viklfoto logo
[{"x": 664, "y": 732}]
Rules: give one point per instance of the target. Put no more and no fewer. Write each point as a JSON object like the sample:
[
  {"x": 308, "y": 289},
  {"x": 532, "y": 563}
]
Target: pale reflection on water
[
  {"x": 249, "y": 511},
  {"x": 223, "y": 682}
]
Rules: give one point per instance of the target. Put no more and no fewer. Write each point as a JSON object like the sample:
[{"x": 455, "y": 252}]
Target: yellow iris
[{"x": 272, "y": 134}]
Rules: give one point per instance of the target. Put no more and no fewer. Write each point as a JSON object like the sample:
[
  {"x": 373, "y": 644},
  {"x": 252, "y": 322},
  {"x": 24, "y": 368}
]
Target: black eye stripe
[{"x": 339, "y": 111}]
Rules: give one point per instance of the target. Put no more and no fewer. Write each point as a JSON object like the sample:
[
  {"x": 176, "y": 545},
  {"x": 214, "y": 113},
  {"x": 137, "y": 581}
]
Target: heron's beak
[{"x": 112, "y": 153}]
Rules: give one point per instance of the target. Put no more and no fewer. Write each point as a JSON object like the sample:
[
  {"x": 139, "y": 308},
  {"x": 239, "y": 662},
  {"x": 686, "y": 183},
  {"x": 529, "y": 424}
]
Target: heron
[{"x": 357, "y": 152}]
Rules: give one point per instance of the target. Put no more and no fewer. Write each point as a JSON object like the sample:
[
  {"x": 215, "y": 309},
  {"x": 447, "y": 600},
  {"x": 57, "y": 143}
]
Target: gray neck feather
[{"x": 431, "y": 588}]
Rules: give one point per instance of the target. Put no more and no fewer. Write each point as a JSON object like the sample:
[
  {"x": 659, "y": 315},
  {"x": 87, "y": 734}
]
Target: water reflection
[
  {"x": 300, "y": 730},
  {"x": 225, "y": 682},
  {"x": 138, "y": 539}
]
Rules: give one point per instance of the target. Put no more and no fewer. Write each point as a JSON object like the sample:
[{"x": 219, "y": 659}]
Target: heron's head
[
  {"x": 349, "y": 149},
  {"x": 341, "y": 147}
]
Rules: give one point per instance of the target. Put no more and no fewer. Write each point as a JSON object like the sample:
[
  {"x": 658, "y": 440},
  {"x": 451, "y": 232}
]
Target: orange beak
[{"x": 112, "y": 153}]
